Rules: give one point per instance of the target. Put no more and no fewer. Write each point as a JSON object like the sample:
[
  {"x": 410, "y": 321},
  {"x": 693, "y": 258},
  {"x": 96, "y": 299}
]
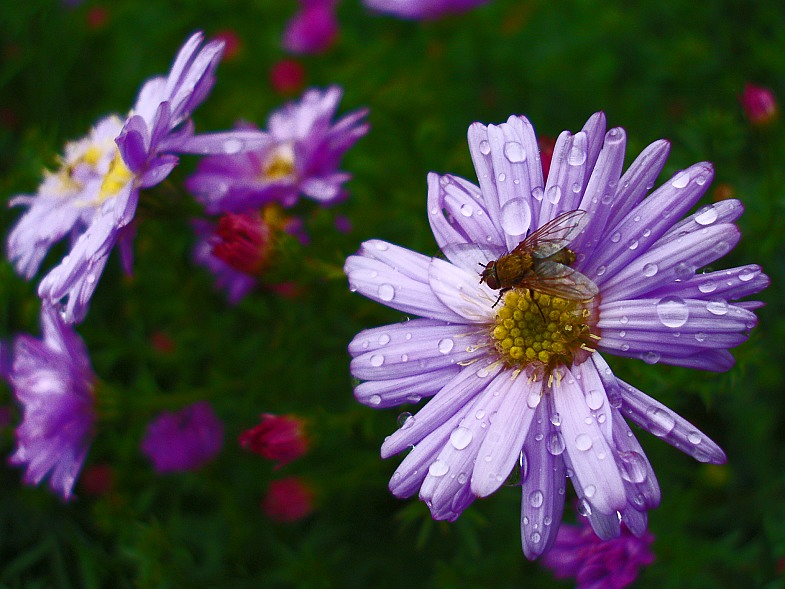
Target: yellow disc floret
[{"x": 533, "y": 328}]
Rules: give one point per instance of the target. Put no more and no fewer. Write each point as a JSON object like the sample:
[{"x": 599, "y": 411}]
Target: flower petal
[
  {"x": 461, "y": 292},
  {"x": 381, "y": 394},
  {"x": 660, "y": 421}
]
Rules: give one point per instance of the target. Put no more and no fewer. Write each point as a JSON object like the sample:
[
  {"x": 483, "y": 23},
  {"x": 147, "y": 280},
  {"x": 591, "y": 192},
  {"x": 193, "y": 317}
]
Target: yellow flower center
[
  {"x": 542, "y": 331},
  {"x": 279, "y": 164},
  {"x": 116, "y": 177}
]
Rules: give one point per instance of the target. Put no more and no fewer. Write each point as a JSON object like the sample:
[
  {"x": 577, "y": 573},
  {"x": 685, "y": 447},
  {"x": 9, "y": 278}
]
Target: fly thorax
[{"x": 540, "y": 331}]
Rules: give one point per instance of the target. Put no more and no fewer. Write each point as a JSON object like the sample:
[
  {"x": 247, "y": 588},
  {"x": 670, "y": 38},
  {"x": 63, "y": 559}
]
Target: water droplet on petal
[
  {"x": 632, "y": 467},
  {"x": 589, "y": 491},
  {"x": 537, "y": 193},
  {"x": 514, "y": 152},
  {"x": 651, "y": 357},
  {"x": 577, "y": 156},
  {"x": 485, "y": 147},
  {"x": 460, "y": 438},
  {"x": 707, "y": 287},
  {"x": 446, "y": 345},
  {"x": 375, "y": 400},
  {"x": 554, "y": 195},
  {"x": 747, "y": 274},
  {"x": 694, "y": 438},
  {"x": 533, "y": 399},
  {"x": 616, "y": 237},
  {"x": 681, "y": 180},
  {"x": 555, "y": 443},
  {"x": 536, "y": 537},
  {"x": 601, "y": 270},
  {"x": 384, "y": 339},
  {"x": 386, "y": 292},
  {"x": 583, "y": 442},
  {"x": 673, "y": 311},
  {"x": 706, "y": 216},
  {"x": 650, "y": 270},
  {"x": 467, "y": 210},
  {"x": 556, "y": 419},
  {"x": 584, "y": 508},
  {"x": 501, "y": 177},
  {"x": 594, "y": 399},
  {"x": 381, "y": 245},
  {"x": 717, "y": 306},
  {"x": 376, "y": 360},
  {"x": 438, "y": 468},
  {"x": 536, "y": 498},
  {"x": 405, "y": 420},
  {"x": 516, "y": 216},
  {"x": 232, "y": 146},
  {"x": 660, "y": 422}
]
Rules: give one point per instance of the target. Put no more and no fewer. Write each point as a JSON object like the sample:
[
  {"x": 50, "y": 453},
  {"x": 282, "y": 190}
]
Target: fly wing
[
  {"x": 555, "y": 235},
  {"x": 472, "y": 256},
  {"x": 561, "y": 281}
]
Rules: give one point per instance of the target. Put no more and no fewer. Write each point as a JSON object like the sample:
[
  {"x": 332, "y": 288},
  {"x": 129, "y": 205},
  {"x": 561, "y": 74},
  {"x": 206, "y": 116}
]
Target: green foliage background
[{"x": 670, "y": 69}]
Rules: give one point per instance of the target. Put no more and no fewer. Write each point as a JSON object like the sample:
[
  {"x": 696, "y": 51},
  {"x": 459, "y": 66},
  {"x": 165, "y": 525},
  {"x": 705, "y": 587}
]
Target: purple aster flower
[
  {"x": 236, "y": 283},
  {"x": 313, "y": 29},
  {"x": 301, "y": 155},
  {"x": 596, "y": 563},
  {"x": 53, "y": 381},
  {"x": 422, "y": 9},
  {"x": 518, "y": 381},
  {"x": 183, "y": 440},
  {"x": 93, "y": 197}
]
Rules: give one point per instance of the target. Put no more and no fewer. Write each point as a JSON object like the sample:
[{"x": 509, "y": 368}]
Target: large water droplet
[
  {"x": 594, "y": 399},
  {"x": 516, "y": 216},
  {"x": 553, "y": 194},
  {"x": 681, "y": 180},
  {"x": 577, "y": 156},
  {"x": 651, "y": 357},
  {"x": 501, "y": 177},
  {"x": 405, "y": 420},
  {"x": 467, "y": 210},
  {"x": 514, "y": 152},
  {"x": 583, "y": 442},
  {"x": 460, "y": 437},
  {"x": 556, "y": 419},
  {"x": 673, "y": 311},
  {"x": 707, "y": 287},
  {"x": 694, "y": 438},
  {"x": 747, "y": 274},
  {"x": 555, "y": 443},
  {"x": 632, "y": 467},
  {"x": 438, "y": 468},
  {"x": 706, "y": 216},
  {"x": 536, "y": 537},
  {"x": 446, "y": 345},
  {"x": 717, "y": 306},
  {"x": 650, "y": 270},
  {"x": 386, "y": 292},
  {"x": 376, "y": 360},
  {"x": 485, "y": 147},
  {"x": 616, "y": 237},
  {"x": 384, "y": 339},
  {"x": 589, "y": 491},
  {"x": 374, "y": 400},
  {"x": 660, "y": 422},
  {"x": 232, "y": 146},
  {"x": 584, "y": 508},
  {"x": 536, "y": 498},
  {"x": 537, "y": 193}
]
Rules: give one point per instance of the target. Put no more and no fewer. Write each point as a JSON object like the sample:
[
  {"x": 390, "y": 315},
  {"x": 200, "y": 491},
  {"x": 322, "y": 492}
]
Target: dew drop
[
  {"x": 384, "y": 339},
  {"x": 556, "y": 419},
  {"x": 460, "y": 437},
  {"x": 438, "y": 468},
  {"x": 694, "y": 438},
  {"x": 514, "y": 152},
  {"x": 537, "y": 193},
  {"x": 405, "y": 420},
  {"x": 589, "y": 491},
  {"x": 717, "y": 307},
  {"x": 533, "y": 399},
  {"x": 485, "y": 147},
  {"x": 576, "y": 187},
  {"x": 616, "y": 237},
  {"x": 633, "y": 245},
  {"x": 501, "y": 177},
  {"x": 673, "y": 311},
  {"x": 594, "y": 399},
  {"x": 555, "y": 443},
  {"x": 462, "y": 478},
  {"x": 651, "y": 357},
  {"x": 381, "y": 245},
  {"x": 650, "y": 270},
  {"x": 233, "y": 146},
  {"x": 707, "y": 287},
  {"x": 584, "y": 508},
  {"x": 577, "y": 156},
  {"x": 376, "y": 360},
  {"x": 536, "y": 498},
  {"x": 747, "y": 274},
  {"x": 516, "y": 216},
  {"x": 624, "y": 320},
  {"x": 90, "y": 278},
  {"x": 386, "y": 292},
  {"x": 632, "y": 467},
  {"x": 446, "y": 345},
  {"x": 681, "y": 180},
  {"x": 700, "y": 336},
  {"x": 582, "y": 442},
  {"x": 660, "y": 422},
  {"x": 706, "y": 216},
  {"x": 601, "y": 270},
  {"x": 375, "y": 400},
  {"x": 683, "y": 271},
  {"x": 467, "y": 210},
  {"x": 536, "y": 537},
  {"x": 553, "y": 195}
]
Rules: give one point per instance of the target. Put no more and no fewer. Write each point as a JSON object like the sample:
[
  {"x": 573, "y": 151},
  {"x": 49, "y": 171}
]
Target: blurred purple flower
[
  {"x": 313, "y": 29},
  {"x": 53, "y": 381},
  {"x": 301, "y": 155},
  {"x": 422, "y": 9},
  {"x": 759, "y": 104},
  {"x": 237, "y": 284},
  {"x": 595, "y": 563},
  {"x": 93, "y": 197},
  {"x": 183, "y": 440},
  {"x": 510, "y": 390}
]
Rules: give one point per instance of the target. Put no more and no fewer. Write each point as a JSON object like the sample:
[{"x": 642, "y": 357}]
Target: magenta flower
[
  {"x": 313, "y": 29},
  {"x": 595, "y": 563},
  {"x": 759, "y": 104},
  {"x": 280, "y": 438},
  {"x": 54, "y": 383},
  {"x": 422, "y": 9},
  {"x": 518, "y": 380},
  {"x": 92, "y": 199},
  {"x": 184, "y": 440},
  {"x": 301, "y": 155}
]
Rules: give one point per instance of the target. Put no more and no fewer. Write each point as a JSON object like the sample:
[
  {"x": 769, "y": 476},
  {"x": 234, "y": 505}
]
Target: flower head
[
  {"x": 183, "y": 440},
  {"x": 54, "y": 383},
  {"x": 518, "y": 379},
  {"x": 93, "y": 197},
  {"x": 422, "y": 9},
  {"x": 596, "y": 563},
  {"x": 759, "y": 104},
  {"x": 301, "y": 155},
  {"x": 277, "y": 437},
  {"x": 313, "y": 29},
  {"x": 288, "y": 500}
]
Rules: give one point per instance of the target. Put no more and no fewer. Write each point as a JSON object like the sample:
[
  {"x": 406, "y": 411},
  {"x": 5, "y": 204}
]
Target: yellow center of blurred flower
[
  {"x": 118, "y": 176},
  {"x": 279, "y": 164},
  {"x": 543, "y": 331}
]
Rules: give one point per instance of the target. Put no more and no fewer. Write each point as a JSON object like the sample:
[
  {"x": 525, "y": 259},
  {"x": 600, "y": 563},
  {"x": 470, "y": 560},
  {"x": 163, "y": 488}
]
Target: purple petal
[
  {"x": 225, "y": 142},
  {"x": 381, "y": 394},
  {"x": 660, "y": 421},
  {"x": 461, "y": 292}
]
